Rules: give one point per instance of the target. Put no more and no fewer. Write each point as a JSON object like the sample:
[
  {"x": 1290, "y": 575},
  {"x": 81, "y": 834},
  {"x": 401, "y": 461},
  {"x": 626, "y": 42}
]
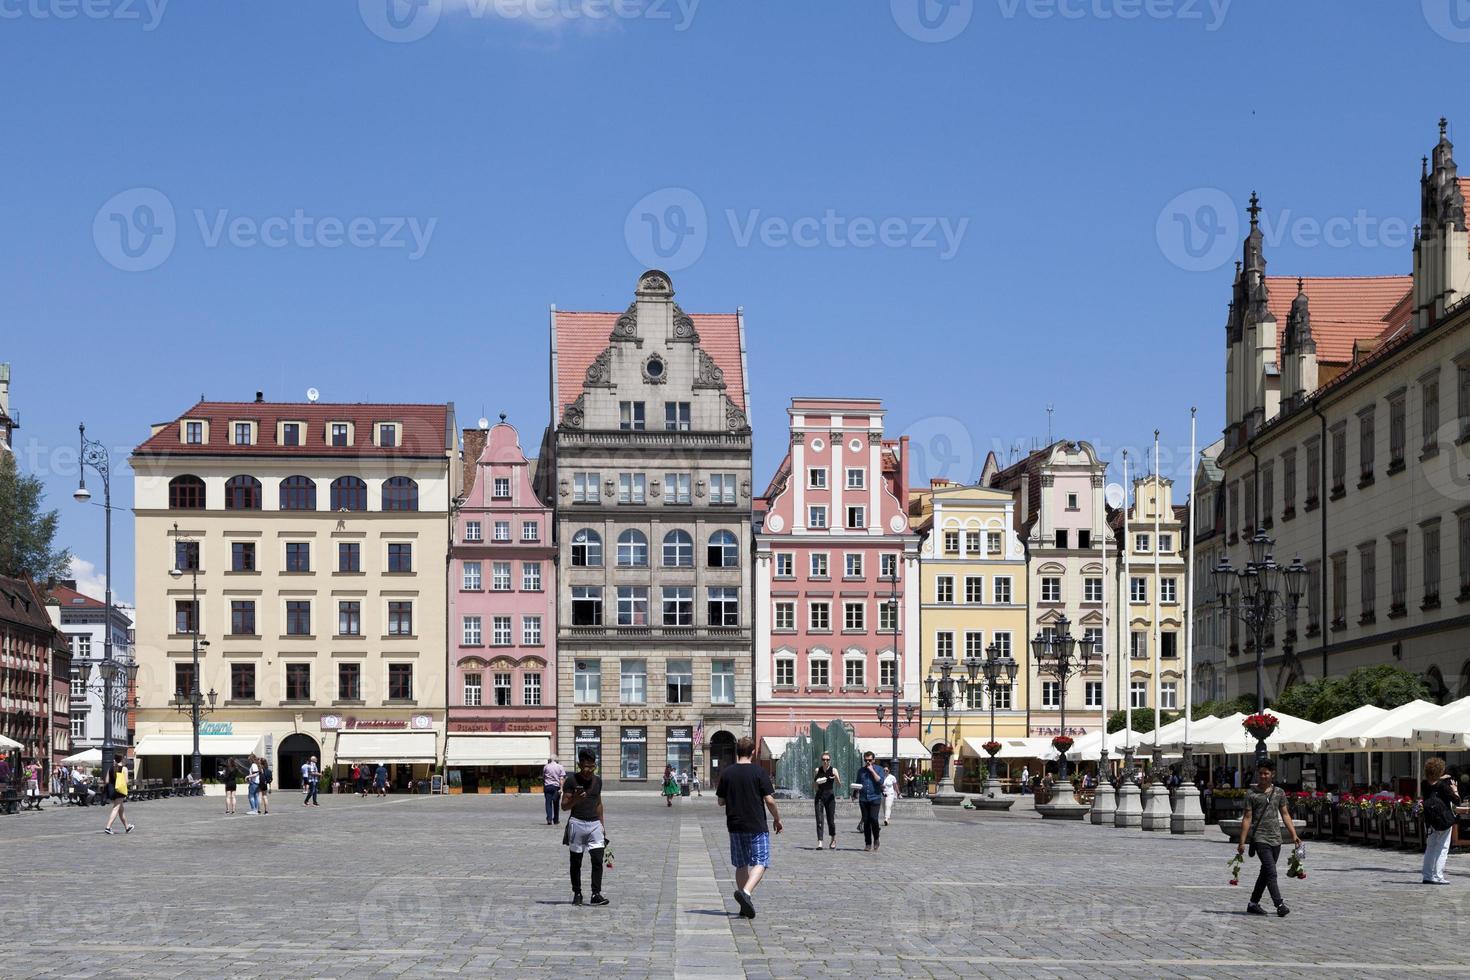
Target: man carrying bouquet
[{"x": 1266, "y": 815}]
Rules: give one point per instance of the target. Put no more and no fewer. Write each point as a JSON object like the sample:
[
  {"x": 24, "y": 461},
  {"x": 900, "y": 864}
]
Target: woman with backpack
[
  {"x": 1441, "y": 797},
  {"x": 265, "y": 787}
]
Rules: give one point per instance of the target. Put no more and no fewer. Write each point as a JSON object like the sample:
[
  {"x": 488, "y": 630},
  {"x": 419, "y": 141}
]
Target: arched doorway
[
  {"x": 721, "y": 754},
  {"x": 294, "y": 751},
  {"x": 1439, "y": 691}
]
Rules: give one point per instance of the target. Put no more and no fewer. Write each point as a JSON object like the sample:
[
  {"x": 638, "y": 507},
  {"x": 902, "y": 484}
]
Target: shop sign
[
  {"x": 216, "y": 728},
  {"x": 1043, "y": 732},
  {"x": 681, "y": 734},
  {"x": 499, "y": 726},
  {"x": 589, "y": 734},
  {"x": 630, "y": 714}
]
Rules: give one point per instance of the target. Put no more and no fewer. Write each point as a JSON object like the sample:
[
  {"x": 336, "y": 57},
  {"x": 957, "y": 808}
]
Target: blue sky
[{"x": 974, "y": 213}]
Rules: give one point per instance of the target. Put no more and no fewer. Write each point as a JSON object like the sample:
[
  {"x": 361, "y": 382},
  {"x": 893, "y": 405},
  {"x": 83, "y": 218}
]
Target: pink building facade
[
  {"x": 832, "y": 551},
  {"x": 502, "y": 623}
]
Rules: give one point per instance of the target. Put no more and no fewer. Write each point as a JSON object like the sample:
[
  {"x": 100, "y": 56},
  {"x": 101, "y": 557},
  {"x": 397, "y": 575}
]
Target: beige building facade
[{"x": 316, "y": 537}]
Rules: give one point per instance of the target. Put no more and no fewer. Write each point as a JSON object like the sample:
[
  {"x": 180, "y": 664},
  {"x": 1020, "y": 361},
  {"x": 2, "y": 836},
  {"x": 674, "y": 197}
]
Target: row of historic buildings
[{"x": 376, "y": 584}]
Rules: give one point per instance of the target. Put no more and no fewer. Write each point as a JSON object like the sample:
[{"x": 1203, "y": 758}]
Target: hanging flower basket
[
  {"x": 991, "y": 748},
  {"x": 942, "y": 748},
  {"x": 1062, "y": 743},
  {"x": 1260, "y": 726}
]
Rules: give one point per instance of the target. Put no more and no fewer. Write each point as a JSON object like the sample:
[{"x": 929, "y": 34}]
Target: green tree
[
  {"x": 1143, "y": 719},
  {"x": 1383, "y": 685},
  {"x": 26, "y": 533},
  {"x": 1241, "y": 704}
]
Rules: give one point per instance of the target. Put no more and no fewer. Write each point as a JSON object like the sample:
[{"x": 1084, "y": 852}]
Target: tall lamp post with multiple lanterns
[
  {"x": 1263, "y": 593},
  {"x": 1058, "y": 653},
  {"x": 195, "y": 703},
  {"x": 945, "y": 688},
  {"x": 1000, "y": 671},
  {"x": 94, "y": 454}
]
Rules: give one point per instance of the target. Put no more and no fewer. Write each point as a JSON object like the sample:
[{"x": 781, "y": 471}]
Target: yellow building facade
[
  {"x": 972, "y": 595},
  {"x": 1153, "y": 578}
]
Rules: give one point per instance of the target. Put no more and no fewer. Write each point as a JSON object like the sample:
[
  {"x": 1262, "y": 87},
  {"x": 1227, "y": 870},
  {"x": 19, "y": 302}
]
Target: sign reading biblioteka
[{"x": 630, "y": 714}]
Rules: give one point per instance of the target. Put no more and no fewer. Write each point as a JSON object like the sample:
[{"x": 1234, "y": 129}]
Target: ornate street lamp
[
  {"x": 195, "y": 703},
  {"x": 94, "y": 454},
  {"x": 996, "y": 667},
  {"x": 1264, "y": 592},
  {"x": 945, "y": 688},
  {"x": 1061, "y": 655}
]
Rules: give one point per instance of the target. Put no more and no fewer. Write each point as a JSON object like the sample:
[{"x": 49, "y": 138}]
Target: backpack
[
  {"x": 265, "y": 775},
  {"x": 1437, "y": 812}
]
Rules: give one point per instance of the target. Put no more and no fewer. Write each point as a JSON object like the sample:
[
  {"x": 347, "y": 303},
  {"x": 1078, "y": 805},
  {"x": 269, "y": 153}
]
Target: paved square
[{"x": 418, "y": 886}]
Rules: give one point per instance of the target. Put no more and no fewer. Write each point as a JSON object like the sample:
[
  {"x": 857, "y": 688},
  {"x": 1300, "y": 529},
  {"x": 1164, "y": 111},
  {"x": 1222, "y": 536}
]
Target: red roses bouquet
[
  {"x": 1234, "y": 865},
  {"x": 1297, "y": 866}
]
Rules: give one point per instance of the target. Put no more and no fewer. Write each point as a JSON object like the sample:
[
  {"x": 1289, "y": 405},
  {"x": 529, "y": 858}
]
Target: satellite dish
[
  {"x": 484, "y": 422},
  {"x": 312, "y": 395},
  {"x": 1114, "y": 495}
]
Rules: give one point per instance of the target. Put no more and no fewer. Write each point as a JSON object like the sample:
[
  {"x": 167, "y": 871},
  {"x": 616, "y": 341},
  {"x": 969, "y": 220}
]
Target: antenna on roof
[
  {"x": 1050, "y": 410},
  {"x": 312, "y": 395}
]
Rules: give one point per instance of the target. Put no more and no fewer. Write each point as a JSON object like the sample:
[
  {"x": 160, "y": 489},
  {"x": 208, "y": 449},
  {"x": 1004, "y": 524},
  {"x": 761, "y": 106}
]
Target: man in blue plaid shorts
[{"x": 746, "y": 793}]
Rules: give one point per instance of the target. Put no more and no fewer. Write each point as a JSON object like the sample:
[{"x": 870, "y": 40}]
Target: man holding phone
[
  {"x": 581, "y": 797},
  {"x": 746, "y": 793}
]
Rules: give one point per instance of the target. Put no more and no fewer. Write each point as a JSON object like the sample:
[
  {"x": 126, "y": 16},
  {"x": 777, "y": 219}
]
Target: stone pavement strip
[{"x": 477, "y": 886}]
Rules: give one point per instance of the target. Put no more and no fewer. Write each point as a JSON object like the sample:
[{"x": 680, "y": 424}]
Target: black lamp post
[
  {"x": 94, "y": 454},
  {"x": 1061, "y": 655},
  {"x": 945, "y": 689},
  {"x": 1267, "y": 593},
  {"x": 195, "y": 703},
  {"x": 996, "y": 667}
]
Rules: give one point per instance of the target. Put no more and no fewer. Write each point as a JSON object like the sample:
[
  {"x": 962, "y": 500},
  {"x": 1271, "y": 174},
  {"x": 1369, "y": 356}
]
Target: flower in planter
[
  {"x": 991, "y": 747},
  {"x": 1261, "y": 724},
  {"x": 1062, "y": 743}
]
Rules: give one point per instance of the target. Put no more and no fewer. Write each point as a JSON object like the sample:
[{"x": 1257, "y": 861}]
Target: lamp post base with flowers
[
  {"x": 993, "y": 798},
  {"x": 1063, "y": 804},
  {"x": 1188, "y": 817}
]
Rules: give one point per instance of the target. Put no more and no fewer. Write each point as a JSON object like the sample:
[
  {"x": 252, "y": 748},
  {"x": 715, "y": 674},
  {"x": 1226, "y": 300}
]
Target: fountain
[{"x": 795, "y": 767}]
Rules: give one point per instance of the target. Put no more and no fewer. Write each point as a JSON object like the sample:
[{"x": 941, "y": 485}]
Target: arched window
[
  {"x": 186, "y": 493},
  {"x": 400, "y": 493},
  {"x": 298, "y": 493},
  {"x": 678, "y": 550},
  {"x": 242, "y": 493},
  {"x": 632, "y": 549},
  {"x": 724, "y": 550},
  {"x": 349, "y": 493},
  {"x": 1439, "y": 691},
  {"x": 586, "y": 549}
]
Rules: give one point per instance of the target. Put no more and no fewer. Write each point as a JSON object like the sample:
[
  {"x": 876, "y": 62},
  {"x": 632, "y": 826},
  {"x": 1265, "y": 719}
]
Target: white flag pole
[
  {"x": 1127, "y": 614},
  {"x": 1158, "y": 582},
  {"x": 1189, "y": 593}
]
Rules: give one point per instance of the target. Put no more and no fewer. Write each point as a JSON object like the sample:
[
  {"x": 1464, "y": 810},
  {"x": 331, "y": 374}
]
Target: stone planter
[{"x": 1231, "y": 828}]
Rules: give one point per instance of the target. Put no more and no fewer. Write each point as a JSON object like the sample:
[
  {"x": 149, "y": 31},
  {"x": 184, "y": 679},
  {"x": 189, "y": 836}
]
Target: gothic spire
[
  {"x": 1442, "y": 200},
  {"x": 1254, "y": 261},
  {"x": 1299, "y": 323}
]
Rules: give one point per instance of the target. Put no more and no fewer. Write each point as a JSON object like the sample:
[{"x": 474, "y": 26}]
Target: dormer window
[
  {"x": 338, "y": 434},
  {"x": 290, "y": 433},
  {"x": 194, "y": 433},
  {"x": 244, "y": 434},
  {"x": 387, "y": 434}
]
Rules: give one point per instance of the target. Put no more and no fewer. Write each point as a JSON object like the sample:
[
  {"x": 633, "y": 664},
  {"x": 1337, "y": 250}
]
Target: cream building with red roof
[
  {"x": 1348, "y": 413},
  {"x": 319, "y": 534}
]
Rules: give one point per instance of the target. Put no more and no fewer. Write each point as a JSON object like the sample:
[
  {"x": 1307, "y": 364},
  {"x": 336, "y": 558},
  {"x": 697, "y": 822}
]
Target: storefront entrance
[{"x": 291, "y": 756}]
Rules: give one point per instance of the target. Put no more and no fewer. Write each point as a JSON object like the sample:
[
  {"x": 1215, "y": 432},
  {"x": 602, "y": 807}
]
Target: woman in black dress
[{"x": 230, "y": 775}]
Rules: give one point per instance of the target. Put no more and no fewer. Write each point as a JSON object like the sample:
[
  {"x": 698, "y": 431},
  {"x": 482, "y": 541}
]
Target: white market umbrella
[
  {"x": 87, "y": 757},
  {"x": 1343, "y": 724},
  {"x": 1379, "y": 736},
  {"x": 1088, "y": 748},
  {"x": 9, "y": 743},
  {"x": 1202, "y": 731},
  {"x": 1445, "y": 732},
  {"x": 1233, "y": 739}
]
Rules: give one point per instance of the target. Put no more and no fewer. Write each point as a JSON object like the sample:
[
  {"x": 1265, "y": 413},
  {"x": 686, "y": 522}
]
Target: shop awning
[
  {"x": 495, "y": 750},
  {"x": 386, "y": 747},
  {"x": 182, "y": 743},
  {"x": 88, "y": 757},
  {"x": 774, "y": 746},
  {"x": 9, "y": 743},
  {"x": 882, "y": 747},
  {"x": 1010, "y": 748}
]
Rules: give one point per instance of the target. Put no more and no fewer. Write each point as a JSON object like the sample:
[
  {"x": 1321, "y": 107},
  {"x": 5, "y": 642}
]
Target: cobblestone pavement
[{"x": 417, "y": 886}]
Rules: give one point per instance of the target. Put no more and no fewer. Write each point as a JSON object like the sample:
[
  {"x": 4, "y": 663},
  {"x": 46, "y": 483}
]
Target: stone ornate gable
[{"x": 654, "y": 357}]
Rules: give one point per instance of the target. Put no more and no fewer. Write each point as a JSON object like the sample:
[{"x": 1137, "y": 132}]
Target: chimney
[
  {"x": 474, "y": 445},
  {"x": 259, "y": 397}
]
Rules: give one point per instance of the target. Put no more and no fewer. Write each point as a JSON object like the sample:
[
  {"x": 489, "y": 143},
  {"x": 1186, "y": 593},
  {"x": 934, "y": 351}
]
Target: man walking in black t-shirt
[
  {"x": 581, "y": 797},
  {"x": 746, "y": 793}
]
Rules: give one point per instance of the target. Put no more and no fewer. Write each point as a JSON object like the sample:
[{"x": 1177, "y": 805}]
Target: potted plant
[
  {"x": 509, "y": 786},
  {"x": 525, "y": 784},
  {"x": 497, "y": 785},
  {"x": 991, "y": 748},
  {"x": 1260, "y": 725},
  {"x": 1062, "y": 743}
]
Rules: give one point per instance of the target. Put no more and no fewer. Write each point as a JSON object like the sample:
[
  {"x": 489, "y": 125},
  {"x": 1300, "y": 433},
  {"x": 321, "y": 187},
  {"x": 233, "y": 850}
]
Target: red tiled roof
[
  {"x": 425, "y": 429},
  {"x": 72, "y": 599},
  {"x": 1345, "y": 310},
  {"x": 21, "y": 603},
  {"x": 580, "y": 337}
]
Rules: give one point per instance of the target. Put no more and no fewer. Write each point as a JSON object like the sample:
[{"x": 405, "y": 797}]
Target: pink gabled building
[
  {"x": 502, "y": 619},
  {"x": 833, "y": 547}
]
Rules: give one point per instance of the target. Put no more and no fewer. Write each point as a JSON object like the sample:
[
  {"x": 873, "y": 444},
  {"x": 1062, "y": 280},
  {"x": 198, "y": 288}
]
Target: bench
[{"x": 9, "y": 800}]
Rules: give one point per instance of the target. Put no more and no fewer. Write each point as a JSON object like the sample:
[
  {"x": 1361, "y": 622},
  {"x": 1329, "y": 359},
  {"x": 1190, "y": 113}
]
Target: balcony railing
[
  {"x": 654, "y": 439},
  {"x": 635, "y": 632}
]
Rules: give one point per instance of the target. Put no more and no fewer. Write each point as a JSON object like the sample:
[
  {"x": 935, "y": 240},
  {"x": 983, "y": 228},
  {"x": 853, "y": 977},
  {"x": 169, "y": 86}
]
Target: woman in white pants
[
  {"x": 1439, "y": 787},
  {"x": 890, "y": 793}
]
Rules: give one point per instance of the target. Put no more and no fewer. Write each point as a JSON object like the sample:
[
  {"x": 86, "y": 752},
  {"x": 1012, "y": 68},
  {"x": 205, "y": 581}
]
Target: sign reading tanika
[{"x": 630, "y": 714}]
